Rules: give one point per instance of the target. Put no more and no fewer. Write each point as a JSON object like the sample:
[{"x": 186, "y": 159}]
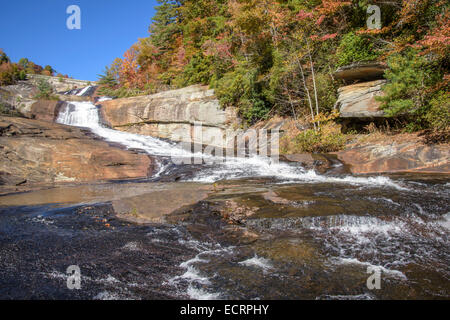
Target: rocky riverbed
[
  {"x": 140, "y": 226},
  {"x": 245, "y": 239}
]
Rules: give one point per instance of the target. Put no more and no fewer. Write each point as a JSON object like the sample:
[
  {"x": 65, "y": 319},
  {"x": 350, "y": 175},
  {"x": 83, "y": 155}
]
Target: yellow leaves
[{"x": 326, "y": 117}]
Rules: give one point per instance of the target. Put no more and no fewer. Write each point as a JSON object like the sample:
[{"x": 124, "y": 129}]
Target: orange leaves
[
  {"x": 331, "y": 7},
  {"x": 129, "y": 71},
  {"x": 438, "y": 39}
]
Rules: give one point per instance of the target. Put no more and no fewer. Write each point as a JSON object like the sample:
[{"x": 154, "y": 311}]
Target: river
[{"x": 309, "y": 236}]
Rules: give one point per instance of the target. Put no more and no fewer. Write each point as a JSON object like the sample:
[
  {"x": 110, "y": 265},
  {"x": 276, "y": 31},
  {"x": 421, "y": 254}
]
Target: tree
[
  {"x": 3, "y": 57},
  {"x": 408, "y": 94},
  {"x": 48, "y": 71},
  {"x": 24, "y": 62}
]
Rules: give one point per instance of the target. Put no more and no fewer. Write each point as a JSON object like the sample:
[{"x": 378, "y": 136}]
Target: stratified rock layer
[
  {"x": 364, "y": 71},
  {"x": 358, "y": 100},
  {"x": 33, "y": 151},
  {"x": 172, "y": 115}
]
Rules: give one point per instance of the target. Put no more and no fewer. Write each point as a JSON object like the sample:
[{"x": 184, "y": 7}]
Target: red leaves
[
  {"x": 328, "y": 36},
  {"x": 303, "y": 15}
]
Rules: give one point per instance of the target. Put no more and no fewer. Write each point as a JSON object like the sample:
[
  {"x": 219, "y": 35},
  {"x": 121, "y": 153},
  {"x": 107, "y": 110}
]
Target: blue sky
[{"x": 36, "y": 29}]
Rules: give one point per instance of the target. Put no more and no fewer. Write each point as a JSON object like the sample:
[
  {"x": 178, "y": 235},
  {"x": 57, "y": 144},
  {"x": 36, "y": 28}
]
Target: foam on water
[
  {"x": 393, "y": 273},
  {"x": 258, "y": 262},
  {"x": 200, "y": 294},
  {"x": 85, "y": 114},
  {"x": 82, "y": 92},
  {"x": 388, "y": 243},
  {"x": 193, "y": 282}
]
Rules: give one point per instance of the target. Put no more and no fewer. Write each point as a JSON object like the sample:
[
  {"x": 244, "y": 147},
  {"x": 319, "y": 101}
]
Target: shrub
[
  {"x": 409, "y": 93},
  {"x": 45, "y": 90},
  {"x": 355, "y": 48},
  {"x": 240, "y": 88},
  {"x": 438, "y": 113},
  {"x": 10, "y": 73},
  {"x": 328, "y": 139}
]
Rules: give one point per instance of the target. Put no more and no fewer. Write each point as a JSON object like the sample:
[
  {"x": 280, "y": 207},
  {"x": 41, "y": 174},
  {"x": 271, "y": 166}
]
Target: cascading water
[
  {"x": 305, "y": 235},
  {"x": 85, "y": 114}
]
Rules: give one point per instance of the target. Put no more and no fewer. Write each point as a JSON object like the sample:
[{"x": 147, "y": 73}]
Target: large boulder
[
  {"x": 364, "y": 71},
  {"x": 358, "y": 100},
  {"x": 46, "y": 110},
  {"x": 172, "y": 115},
  {"x": 34, "y": 152}
]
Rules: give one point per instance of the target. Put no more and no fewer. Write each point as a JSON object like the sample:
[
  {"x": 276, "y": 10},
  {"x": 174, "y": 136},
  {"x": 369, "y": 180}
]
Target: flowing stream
[
  {"x": 309, "y": 236},
  {"x": 85, "y": 114}
]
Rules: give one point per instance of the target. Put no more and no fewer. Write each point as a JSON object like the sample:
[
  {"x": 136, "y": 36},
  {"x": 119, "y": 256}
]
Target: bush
[
  {"x": 240, "y": 88},
  {"x": 328, "y": 139},
  {"x": 45, "y": 90},
  {"x": 10, "y": 73},
  {"x": 438, "y": 113},
  {"x": 409, "y": 93},
  {"x": 355, "y": 48}
]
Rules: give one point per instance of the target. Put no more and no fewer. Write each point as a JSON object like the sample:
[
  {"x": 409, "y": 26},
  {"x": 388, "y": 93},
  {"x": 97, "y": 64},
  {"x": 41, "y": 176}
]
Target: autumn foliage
[
  {"x": 275, "y": 56},
  {"x": 11, "y": 72}
]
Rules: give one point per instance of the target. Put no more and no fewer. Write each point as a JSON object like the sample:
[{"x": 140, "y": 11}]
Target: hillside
[{"x": 279, "y": 57}]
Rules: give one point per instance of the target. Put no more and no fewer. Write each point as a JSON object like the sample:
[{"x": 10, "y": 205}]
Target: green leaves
[
  {"x": 241, "y": 88},
  {"x": 355, "y": 48},
  {"x": 410, "y": 91}
]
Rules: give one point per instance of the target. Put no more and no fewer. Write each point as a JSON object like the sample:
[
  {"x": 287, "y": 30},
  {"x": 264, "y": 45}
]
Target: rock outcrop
[
  {"x": 358, "y": 100},
  {"x": 22, "y": 96},
  {"x": 361, "y": 71},
  {"x": 34, "y": 152},
  {"x": 172, "y": 115},
  {"x": 46, "y": 110},
  {"x": 19, "y": 97},
  {"x": 396, "y": 155},
  {"x": 60, "y": 84}
]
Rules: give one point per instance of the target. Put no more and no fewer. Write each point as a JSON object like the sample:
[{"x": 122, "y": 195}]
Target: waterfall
[{"x": 86, "y": 114}]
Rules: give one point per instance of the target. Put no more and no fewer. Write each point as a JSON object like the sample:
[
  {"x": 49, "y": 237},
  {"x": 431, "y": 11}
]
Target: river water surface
[{"x": 296, "y": 234}]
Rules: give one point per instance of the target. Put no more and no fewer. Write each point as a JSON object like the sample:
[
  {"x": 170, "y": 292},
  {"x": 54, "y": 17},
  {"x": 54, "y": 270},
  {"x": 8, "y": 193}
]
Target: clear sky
[{"x": 36, "y": 29}]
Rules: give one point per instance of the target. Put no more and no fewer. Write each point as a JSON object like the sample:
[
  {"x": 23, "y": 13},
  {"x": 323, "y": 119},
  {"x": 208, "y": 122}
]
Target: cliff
[{"x": 172, "y": 115}]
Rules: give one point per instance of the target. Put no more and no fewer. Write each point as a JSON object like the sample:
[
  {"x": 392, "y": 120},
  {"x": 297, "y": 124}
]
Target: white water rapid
[{"x": 85, "y": 114}]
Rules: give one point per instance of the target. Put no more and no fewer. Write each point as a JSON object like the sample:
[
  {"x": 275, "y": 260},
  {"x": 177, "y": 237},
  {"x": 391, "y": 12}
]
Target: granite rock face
[
  {"x": 362, "y": 71},
  {"x": 358, "y": 100},
  {"x": 397, "y": 156},
  {"x": 46, "y": 110},
  {"x": 19, "y": 97},
  {"x": 173, "y": 115},
  {"x": 60, "y": 84},
  {"x": 34, "y": 152}
]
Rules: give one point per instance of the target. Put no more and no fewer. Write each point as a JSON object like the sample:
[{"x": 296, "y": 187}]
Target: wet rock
[
  {"x": 358, "y": 100},
  {"x": 155, "y": 205},
  {"x": 42, "y": 152},
  {"x": 322, "y": 163},
  {"x": 366, "y": 71}
]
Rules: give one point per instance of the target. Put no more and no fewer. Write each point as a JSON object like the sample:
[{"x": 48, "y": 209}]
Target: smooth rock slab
[
  {"x": 34, "y": 152},
  {"x": 397, "y": 156},
  {"x": 172, "y": 115}
]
